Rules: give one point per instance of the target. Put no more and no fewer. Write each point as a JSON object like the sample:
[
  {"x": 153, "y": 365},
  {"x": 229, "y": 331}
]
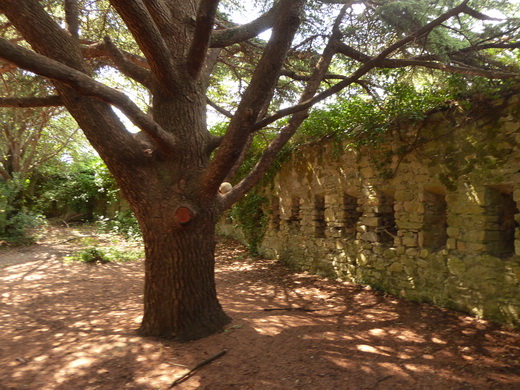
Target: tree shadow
[{"x": 74, "y": 326}]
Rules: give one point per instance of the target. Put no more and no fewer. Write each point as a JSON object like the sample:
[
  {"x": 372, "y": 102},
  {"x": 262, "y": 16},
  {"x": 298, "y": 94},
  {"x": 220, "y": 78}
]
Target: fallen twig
[
  {"x": 290, "y": 309},
  {"x": 201, "y": 364}
]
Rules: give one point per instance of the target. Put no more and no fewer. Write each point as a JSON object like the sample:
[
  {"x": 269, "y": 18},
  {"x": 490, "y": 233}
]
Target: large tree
[{"x": 172, "y": 171}]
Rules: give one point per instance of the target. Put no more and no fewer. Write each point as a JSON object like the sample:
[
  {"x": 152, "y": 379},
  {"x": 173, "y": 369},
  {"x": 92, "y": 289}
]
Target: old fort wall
[{"x": 431, "y": 215}]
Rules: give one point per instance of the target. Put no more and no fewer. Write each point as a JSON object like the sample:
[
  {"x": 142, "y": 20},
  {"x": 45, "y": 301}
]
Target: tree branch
[
  {"x": 149, "y": 39},
  {"x": 160, "y": 14},
  {"x": 128, "y": 68},
  {"x": 72, "y": 18},
  {"x": 4, "y": 173},
  {"x": 24, "y": 102},
  {"x": 259, "y": 90},
  {"x": 7, "y": 68},
  {"x": 219, "y": 109},
  {"x": 44, "y": 66},
  {"x": 230, "y": 36},
  {"x": 367, "y": 66},
  {"x": 477, "y": 15},
  {"x": 299, "y": 77},
  {"x": 403, "y": 62},
  {"x": 200, "y": 43},
  {"x": 99, "y": 50},
  {"x": 288, "y": 131}
]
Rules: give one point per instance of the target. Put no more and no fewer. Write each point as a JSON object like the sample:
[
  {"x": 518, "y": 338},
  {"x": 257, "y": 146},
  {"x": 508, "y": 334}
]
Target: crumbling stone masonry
[{"x": 433, "y": 215}]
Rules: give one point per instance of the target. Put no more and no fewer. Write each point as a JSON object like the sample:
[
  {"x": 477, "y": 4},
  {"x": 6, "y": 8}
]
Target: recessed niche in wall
[
  {"x": 319, "y": 216},
  {"x": 351, "y": 214},
  {"x": 275, "y": 213},
  {"x": 387, "y": 228},
  {"x": 435, "y": 223},
  {"x": 295, "y": 217},
  {"x": 500, "y": 224}
]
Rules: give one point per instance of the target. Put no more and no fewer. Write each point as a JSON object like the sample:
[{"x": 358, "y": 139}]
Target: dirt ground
[{"x": 72, "y": 326}]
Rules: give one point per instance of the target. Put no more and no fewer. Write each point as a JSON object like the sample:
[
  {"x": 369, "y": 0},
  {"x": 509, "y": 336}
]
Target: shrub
[
  {"x": 18, "y": 223},
  {"x": 95, "y": 254}
]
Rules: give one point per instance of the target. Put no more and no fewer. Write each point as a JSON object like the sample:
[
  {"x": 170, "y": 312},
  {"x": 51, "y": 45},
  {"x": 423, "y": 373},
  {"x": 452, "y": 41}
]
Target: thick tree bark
[{"x": 180, "y": 300}]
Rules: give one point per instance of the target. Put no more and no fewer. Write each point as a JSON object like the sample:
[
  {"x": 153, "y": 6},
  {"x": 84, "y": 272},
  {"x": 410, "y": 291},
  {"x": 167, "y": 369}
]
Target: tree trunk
[{"x": 180, "y": 300}]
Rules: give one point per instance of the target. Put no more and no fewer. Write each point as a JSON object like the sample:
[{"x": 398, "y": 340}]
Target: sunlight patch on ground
[
  {"x": 409, "y": 335},
  {"x": 438, "y": 341}
]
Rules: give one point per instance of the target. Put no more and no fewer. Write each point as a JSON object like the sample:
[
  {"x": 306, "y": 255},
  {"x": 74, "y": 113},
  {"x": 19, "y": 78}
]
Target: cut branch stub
[{"x": 183, "y": 215}]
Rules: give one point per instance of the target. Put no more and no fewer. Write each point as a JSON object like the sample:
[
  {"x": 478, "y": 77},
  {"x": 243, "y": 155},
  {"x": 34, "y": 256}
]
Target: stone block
[
  {"x": 456, "y": 266},
  {"x": 423, "y": 264},
  {"x": 407, "y": 225},
  {"x": 404, "y": 196},
  {"x": 362, "y": 260},
  {"x": 410, "y": 241},
  {"x": 412, "y": 252},
  {"x": 370, "y": 237},
  {"x": 453, "y": 231},
  {"x": 475, "y": 247},
  {"x": 411, "y": 207},
  {"x": 396, "y": 267},
  {"x": 461, "y": 246},
  {"x": 451, "y": 243},
  {"x": 370, "y": 221}
]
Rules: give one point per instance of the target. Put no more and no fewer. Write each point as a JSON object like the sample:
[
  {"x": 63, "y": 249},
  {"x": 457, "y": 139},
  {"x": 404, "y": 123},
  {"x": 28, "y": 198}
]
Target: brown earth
[{"x": 72, "y": 326}]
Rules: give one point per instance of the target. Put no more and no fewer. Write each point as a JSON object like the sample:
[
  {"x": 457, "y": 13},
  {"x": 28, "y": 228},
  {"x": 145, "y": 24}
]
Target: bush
[
  {"x": 124, "y": 223},
  {"x": 18, "y": 223},
  {"x": 95, "y": 255}
]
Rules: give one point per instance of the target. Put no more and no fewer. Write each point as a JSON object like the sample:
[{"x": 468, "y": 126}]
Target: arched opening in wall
[
  {"x": 435, "y": 223},
  {"x": 275, "y": 213},
  {"x": 500, "y": 226},
  {"x": 351, "y": 215},
  {"x": 319, "y": 216},
  {"x": 295, "y": 218},
  {"x": 387, "y": 228}
]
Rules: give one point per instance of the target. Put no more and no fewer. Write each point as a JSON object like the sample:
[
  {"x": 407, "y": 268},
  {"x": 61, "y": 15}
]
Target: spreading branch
[
  {"x": 24, "y": 102},
  {"x": 230, "y": 36},
  {"x": 405, "y": 62},
  {"x": 367, "y": 66},
  {"x": 287, "y": 132},
  {"x": 200, "y": 43},
  {"x": 99, "y": 50},
  {"x": 72, "y": 18},
  {"x": 128, "y": 68},
  {"x": 160, "y": 14},
  {"x": 149, "y": 39},
  {"x": 219, "y": 109},
  {"x": 7, "y": 68},
  {"x": 260, "y": 89},
  {"x": 82, "y": 83},
  {"x": 305, "y": 77}
]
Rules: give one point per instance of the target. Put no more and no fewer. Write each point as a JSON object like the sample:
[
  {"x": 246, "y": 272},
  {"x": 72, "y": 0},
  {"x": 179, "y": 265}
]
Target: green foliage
[
  {"x": 364, "y": 120},
  {"x": 95, "y": 255},
  {"x": 123, "y": 223},
  {"x": 76, "y": 187},
  {"x": 18, "y": 224},
  {"x": 249, "y": 215}
]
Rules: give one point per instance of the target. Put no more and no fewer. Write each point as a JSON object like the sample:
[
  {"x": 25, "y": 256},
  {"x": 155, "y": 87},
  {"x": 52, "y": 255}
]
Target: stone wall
[{"x": 432, "y": 215}]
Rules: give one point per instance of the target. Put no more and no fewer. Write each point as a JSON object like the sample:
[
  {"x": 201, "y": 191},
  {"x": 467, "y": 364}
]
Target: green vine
[{"x": 249, "y": 215}]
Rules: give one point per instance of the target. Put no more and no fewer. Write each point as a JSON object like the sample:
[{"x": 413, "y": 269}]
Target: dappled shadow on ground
[{"x": 69, "y": 326}]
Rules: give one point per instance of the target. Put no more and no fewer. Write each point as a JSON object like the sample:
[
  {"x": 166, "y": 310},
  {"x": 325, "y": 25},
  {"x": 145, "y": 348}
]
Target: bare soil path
[{"x": 72, "y": 326}]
